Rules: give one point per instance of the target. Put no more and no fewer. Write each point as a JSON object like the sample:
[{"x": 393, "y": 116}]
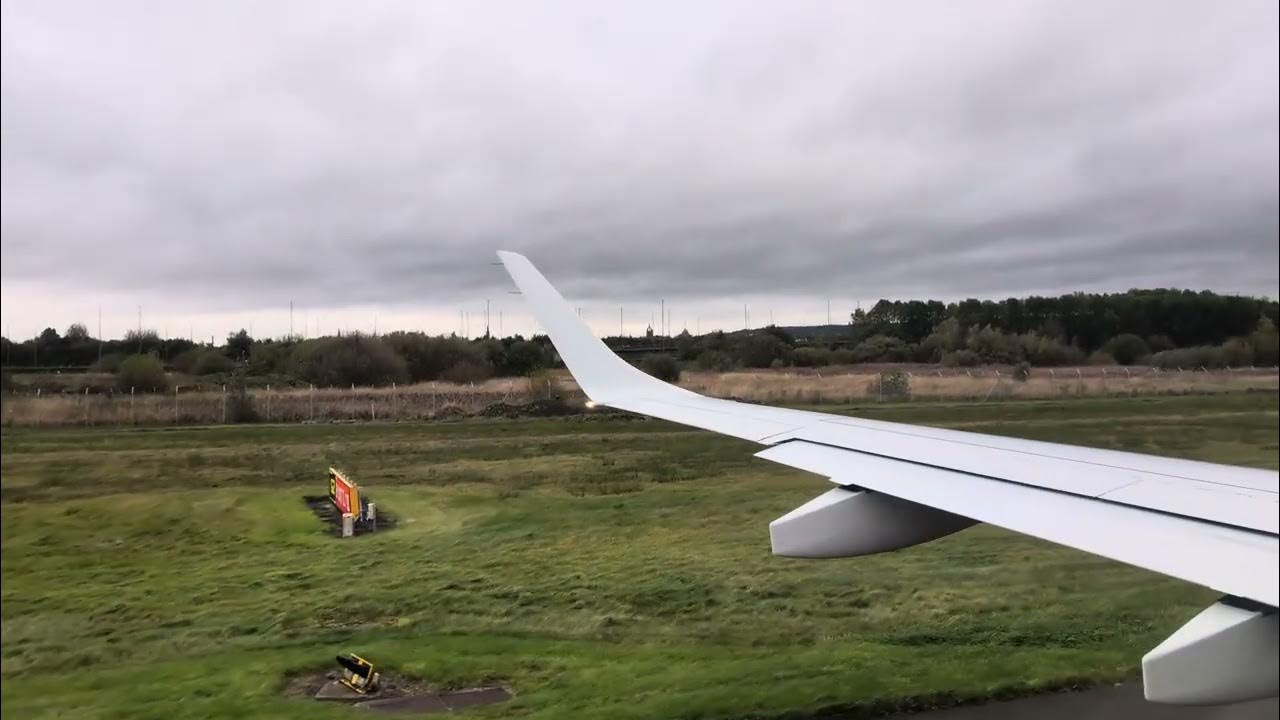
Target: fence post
[
  {"x": 268, "y": 402},
  {"x": 224, "y": 404},
  {"x": 133, "y": 415},
  {"x": 86, "y": 407},
  {"x": 311, "y": 403},
  {"x": 175, "y": 404}
]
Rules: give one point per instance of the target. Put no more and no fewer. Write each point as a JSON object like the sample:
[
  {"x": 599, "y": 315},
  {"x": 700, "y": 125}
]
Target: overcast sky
[{"x": 213, "y": 161}]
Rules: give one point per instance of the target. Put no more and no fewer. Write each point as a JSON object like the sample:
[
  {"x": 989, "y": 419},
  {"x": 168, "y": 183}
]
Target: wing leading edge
[{"x": 1209, "y": 524}]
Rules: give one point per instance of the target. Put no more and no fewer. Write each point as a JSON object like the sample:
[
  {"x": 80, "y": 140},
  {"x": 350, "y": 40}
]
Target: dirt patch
[
  {"x": 546, "y": 407},
  {"x": 398, "y": 693},
  {"x": 449, "y": 412},
  {"x": 324, "y": 509}
]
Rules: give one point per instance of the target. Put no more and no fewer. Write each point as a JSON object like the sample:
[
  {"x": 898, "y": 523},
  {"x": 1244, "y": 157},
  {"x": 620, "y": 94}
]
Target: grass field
[{"x": 603, "y": 567}]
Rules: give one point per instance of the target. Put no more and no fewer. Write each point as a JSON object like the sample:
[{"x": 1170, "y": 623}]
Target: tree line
[{"x": 1168, "y": 328}]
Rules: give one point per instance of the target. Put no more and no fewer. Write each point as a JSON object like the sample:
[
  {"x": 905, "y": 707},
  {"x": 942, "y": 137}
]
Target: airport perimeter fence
[{"x": 516, "y": 397}]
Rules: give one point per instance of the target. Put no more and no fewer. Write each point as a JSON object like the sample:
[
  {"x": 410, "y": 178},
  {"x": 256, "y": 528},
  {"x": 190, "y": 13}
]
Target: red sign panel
[{"x": 343, "y": 493}]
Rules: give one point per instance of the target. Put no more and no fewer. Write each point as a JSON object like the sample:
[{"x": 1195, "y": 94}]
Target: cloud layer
[{"x": 233, "y": 156}]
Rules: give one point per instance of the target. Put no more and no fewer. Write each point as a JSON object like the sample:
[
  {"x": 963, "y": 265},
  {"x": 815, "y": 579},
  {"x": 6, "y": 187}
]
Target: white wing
[{"x": 899, "y": 485}]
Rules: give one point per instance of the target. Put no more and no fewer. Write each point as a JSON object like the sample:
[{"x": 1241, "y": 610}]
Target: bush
[
  {"x": 961, "y": 358},
  {"x": 1237, "y": 352},
  {"x": 812, "y": 357},
  {"x": 1022, "y": 371},
  {"x": 141, "y": 372},
  {"x": 1043, "y": 351},
  {"x": 1127, "y": 348},
  {"x": 1159, "y": 343},
  {"x": 1192, "y": 358},
  {"x": 109, "y": 363},
  {"x": 946, "y": 337},
  {"x": 432, "y": 358},
  {"x": 467, "y": 370},
  {"x": 202, "y": 361},
  {"x": 895, "y": 385},
  {"x": 881, "y": 348},
  {"x": 993, "y": 346},
  {"x": 211, "y": 362},
  {"x": 663, "y": 367},
  {"x": 1101, "y": 357},
  {"x": 348, "y": 360},
  {"x": 1266, "y": 343},
  {"x": 760, "y": 349},
  {"x": 240, "y": 406},
  {"x": 715, "y": 360}
]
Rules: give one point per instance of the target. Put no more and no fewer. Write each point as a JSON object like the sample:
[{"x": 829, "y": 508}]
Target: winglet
[{"x": 601, "y": 374}]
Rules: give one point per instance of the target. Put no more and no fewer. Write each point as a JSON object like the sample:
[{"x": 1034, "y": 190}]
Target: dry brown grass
[
  {"x": 986, "y": 384},
  {"x": 427, "y": 401}
]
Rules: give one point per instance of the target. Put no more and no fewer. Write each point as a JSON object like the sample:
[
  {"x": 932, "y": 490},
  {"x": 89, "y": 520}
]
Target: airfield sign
[{"x": 344, "y": 493}]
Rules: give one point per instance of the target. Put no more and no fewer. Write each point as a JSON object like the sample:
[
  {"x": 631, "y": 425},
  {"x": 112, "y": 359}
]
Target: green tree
[
  {"x": 1127, "y": 348},
  {"x": 239, "y": 345},
  {"x": 347, "y": 360},
  {"x": 142, "y": 373},
  {"x": 663, "y": 367}
]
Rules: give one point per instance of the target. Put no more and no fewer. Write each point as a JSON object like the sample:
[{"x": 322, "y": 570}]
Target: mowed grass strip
[{"x": 603, "y": 567}]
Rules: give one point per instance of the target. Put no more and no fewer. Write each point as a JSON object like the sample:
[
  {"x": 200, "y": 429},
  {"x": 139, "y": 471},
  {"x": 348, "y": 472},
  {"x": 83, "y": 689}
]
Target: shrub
[
  {"x": 1127, "y": 348},
  {"x": 1266, "y": 343},
  {"x": 715, "y": 360},
  {"x": 1101, "y": 357},
  {"x": 109, "y": 363},
  {"x": 1237, "y": 352},
  {"x": 895, "y": 385},
  {"x": 202, "y": 361},
  {"x": 240, "y": 406},
  {"x": 1022, "y": 371},
  {"x": 347, "y": 360},
  {"x": 760, "y": 349},
  {"x": 1159, "y": 343},
  {"x": 1192, "y": 358},
  {"x": 1044, "y": 351},
  {"x": 961, "y": 358},
  {"x": 662, "y": 367},
  {"x": 946, "y": 337},
  {"x": 881, "y": 348},
  {"x": 211, "y": 362},
  {"x": 141, "y": 372},
  {"x": 467, "y": 370},
  {"x": 993, "y": 346},
  {"x": 812, "y": 357}
]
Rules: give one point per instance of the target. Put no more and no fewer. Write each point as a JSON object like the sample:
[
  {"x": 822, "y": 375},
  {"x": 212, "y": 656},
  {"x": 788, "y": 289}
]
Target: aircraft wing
[{"x": 899, "y": 485}]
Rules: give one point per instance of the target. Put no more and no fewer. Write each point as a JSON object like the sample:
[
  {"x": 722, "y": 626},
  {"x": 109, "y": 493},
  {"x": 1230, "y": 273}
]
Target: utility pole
[
  {"x": 291, "y": 320},
  {"x": 486, "y": 318},
  {"x": 139, "y": 329},
  {"x": 99, "y": 333},
  {"x": 619, "y": 321},
  {"x": 746, "y": 317},
  {"x": 662, "y": 311}
]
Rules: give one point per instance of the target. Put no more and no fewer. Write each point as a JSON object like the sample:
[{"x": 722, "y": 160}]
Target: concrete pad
[
  {"x": 406, "y": 704},
  {"x": 334, "y": 690},
  {"x": 475, "y": 696}
]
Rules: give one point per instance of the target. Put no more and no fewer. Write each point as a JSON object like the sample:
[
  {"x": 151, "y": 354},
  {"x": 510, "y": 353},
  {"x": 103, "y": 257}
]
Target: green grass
[{"x": 603, "y": 567}]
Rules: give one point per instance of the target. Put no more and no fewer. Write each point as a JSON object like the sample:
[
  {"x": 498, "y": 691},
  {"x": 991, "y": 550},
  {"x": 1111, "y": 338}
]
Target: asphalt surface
[{"x": 1120, "y": 702}]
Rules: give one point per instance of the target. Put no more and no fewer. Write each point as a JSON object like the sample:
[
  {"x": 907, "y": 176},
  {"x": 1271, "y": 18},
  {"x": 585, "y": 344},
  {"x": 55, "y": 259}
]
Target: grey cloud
[{"x": 233, "y": 155}]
